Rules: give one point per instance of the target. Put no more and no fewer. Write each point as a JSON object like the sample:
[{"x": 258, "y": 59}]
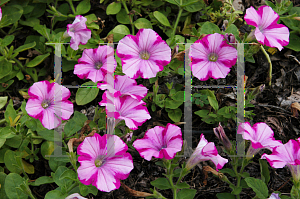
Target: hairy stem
[
  {"x": 130, "y": 17},
  {"x": 270, "y": 63}
]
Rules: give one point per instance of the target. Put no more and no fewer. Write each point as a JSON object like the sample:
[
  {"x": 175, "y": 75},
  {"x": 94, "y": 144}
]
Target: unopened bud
[
  {"x": 220, "y": 133},
  {"x": 230, "y": 38}
]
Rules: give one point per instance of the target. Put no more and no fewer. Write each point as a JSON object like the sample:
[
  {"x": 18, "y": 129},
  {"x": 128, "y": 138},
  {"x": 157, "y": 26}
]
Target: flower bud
[
  {"x": 230, "y": 38},
  {"x": 220, "y": 133}
]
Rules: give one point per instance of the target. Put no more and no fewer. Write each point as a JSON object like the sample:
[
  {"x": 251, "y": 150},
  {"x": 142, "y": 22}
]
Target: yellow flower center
[
  {"x": 144, "y": 55},
  {"x": 213, "y": 57}
]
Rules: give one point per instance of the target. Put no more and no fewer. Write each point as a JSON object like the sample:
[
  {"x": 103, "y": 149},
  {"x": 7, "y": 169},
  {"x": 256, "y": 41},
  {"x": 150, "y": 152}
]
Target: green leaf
[
  {"x": 6, "y": 133},
  {"x": 10, "y": 112},
  {"x": 15, "y": 141},
  {"x": 56, "y": 194},
  {"x": 43, "y": 30},
  {"x": 213, "y": 102},
  {"x": 83, "y": 7},
  {"x": 161, "y": 183},
  {"x": 13, "y": 12},
  {"x": 209, "y": 28},
  {"x": 62, "y": 182},
  {"x": 3, "y": 101},
  {"x": 225, "y": 196},
  {"x": 28, "y": 168},
  {"x": 202, "y": 113},
  {"x": 12, "y": 181},
  {"x": 161, "y": 18},
  {"x": 294, "y": 43},
  {"x": 42, "y": 180},
  {"x": 2, "y": 183},
  {"x": 123, "y": 17},
  {"x": 264, "y": 171},
  {"x": 175, "y": 114},
  {"x": 233, "y": 29},
  {"x": 182, "y": 185},
  {"x": 229, "y": 171},
  {"x": 270, "y": 4},
  {"x": 119, "y": 32},
  {"x": 86, "y": 189},
  {"x": 25, "y": 47},
  {"x": 235, "y": 190},
  {"x": 68, "y": 174},
  {"x": 258, "y": 186},
  {"x": 176, "y": 2},
  {"x": 68, "y": 65},
  {"x": 7, "y": 40},
  {"x": 5, "y": 68},
  {"x": 12, "y": 162},
  {"x": 172, "y": 104},
  {"x": 37, "y": 60},
  {"x": 143, "y": 23},
  {"x": 195, "y": 7},
  {"x": 71, "y": 127},
  {"x": 88, "y": 94},
  {"x": 47, "y": 149},
  {"x": 113, "y": 8},
  {"x": 186, "y": 194}
]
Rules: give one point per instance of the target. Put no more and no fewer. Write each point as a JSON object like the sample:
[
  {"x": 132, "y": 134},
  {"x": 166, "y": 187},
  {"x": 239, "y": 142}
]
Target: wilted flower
[
  {"x": 267, "y": 31},
  {"x": 206, "y": 151},
  {"x": 144, "y": 54},
  {"x": 260, "y": 135},
  {"x": 48, "y": 103},
  {"x": 286, "y": 155},
  {"x": 160, "y": 142},
  {"x": 94, "y": 62},
  {"x": 126, "y": 108},
  {"x": 78, "y": 32},
  {"x": 230, "y": 38},
  {"x": 75, "y": 196},
  {"x": 103, "y": 161},
  {"x": 123, "y": 85},
  {"x": 220, "y": 133},
  {"x": 212, "y": 57}
]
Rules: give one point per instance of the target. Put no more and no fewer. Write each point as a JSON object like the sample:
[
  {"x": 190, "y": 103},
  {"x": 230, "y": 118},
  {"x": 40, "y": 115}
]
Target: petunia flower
[
  {"x": 78, "y": 32},
  {"x": 212, "y": 57},
  {"x": 0, "y": 14},
  {"x": 267, "y": 31},
  {"x": 274, "y": 196},
  {"x": 260, "y": 135},
  {"x": 123, "y": 85},
  {"x": 144, "y": 54},
  {"x": 75, "y": 196},
  {"x": 126, "y": 108},
  {"x": 103, "y": 162},
  {"x": 206, "y": 151},
  {"x": 48, "y": 103},
  {"x": 220, "y": 133},
  {"x": 286, "y": 155},
  {"x": 94, "y": 62},
  {"x": 160, "y": 142}
]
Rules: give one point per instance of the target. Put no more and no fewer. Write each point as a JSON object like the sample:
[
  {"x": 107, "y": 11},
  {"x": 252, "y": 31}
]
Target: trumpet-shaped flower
[
  {"x": 206, "y": 151},
  {"x": 144, "y": 54},
  {"x": 123, "y": 85},
  {"x": 94, "y": 63},
  {"x": 286, "y": 155},
  {"x": 212, "y": 57},
  {"x": 126, "y": 108},
  {"x": 274, "y": 196},
  {"x": 78, "y": 32},
  {"x": 267, "y": 31},
  {"x": 48, "y": 103},
  {"x": 160, "y": 142},
  {"x": 103, "y": 162},
  {"x": 260, "y": 135},
  {"x": 220, "y": 133}
]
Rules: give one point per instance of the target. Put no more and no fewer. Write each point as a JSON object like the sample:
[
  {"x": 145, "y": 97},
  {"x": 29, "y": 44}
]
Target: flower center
[
  {"x": 72, "y": 30},
  {"x": 144, "y": 55},
  {"x": 213, "y": 57},
  {"x": 45, "y": 104},
  {"x": 99, "y": 161},
  {"x": 98, "y": 65}
]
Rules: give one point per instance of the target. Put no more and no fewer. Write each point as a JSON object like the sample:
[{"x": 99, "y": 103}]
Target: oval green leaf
[
  {"x": 123, "y": 17},
  {"x": 113, "y": 8},
  {"x": 143, "y": 23},
  {"x": 86, "y": 95},
  {"x": 12, "y": 181},
  {"x": 161, "y": 18}
]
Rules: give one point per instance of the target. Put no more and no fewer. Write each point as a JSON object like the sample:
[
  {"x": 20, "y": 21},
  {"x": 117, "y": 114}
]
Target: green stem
[
  {"x": 130, "y": 17},
  {"x": 72, "y": 6},
  {"x": 270, "y": 63},
  {"x": 177, "y": 21},
  {"x": 20, "y": 65}
]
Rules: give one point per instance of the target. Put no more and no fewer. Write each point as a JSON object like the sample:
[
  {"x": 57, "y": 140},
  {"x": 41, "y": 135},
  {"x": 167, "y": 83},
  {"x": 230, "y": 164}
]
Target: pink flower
[
  {"x": 48, "y": 103},
  {"x": 0, "y": 14},
  {"x": 103, "y": 162},
  {"x": 75, "y": 196},
  {"x": 206, "y": 151},
  {"x": 123, "y": 85},
  {"x": 260, "y": 135},
  {"x": 144, "y": 54},
  {"x": 78, "y": 32},
  {"x": 274, "y": 196},
  {"x": 212, "y": 57},
  {"x": 160, "y": 142},
  {"x": 126, "y": 108},
  {"x": 94, "y": 62},
  {"x": 286, "y": 154},
  {"x": 267, "y": 31}
]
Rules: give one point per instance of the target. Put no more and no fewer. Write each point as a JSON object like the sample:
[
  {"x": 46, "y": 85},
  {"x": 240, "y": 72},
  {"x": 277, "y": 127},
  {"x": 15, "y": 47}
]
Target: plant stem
[
  {"x": 20, "y": 65},
  {"x": 270, "y": 63},
  {"x": 177, "y": 20},
  {"x": 127, "y": 11},
  {"x": 72, "y": 6}
]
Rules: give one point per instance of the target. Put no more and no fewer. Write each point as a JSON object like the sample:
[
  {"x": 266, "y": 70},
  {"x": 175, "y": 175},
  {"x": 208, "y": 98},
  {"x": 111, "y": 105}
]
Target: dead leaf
[
  {"x": 295, "y": 97},
  {"x": 275, "y": 122},
  {"x": 134, "y": 192},
  {"x": 180, "y": 56},
  {"x": 295, "y": 107}
]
